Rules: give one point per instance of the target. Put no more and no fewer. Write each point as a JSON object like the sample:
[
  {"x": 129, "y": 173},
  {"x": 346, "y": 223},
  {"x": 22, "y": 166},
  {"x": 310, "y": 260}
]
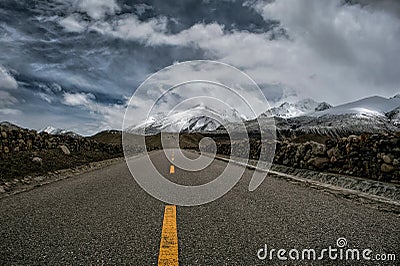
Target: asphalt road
[{"x": 104, "y": 217}]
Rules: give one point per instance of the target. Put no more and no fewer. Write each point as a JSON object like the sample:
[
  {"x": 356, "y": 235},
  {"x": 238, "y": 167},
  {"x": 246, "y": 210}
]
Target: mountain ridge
[
  {"x": 196, "y": 119},
  {"x": 373, "y": 114},
  {"x": 59, "y": 131}
]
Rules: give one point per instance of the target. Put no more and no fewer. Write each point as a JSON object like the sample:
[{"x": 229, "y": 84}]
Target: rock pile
[
  {"x": 375, "y": 156},
  {"x": 14, "y": 140}
]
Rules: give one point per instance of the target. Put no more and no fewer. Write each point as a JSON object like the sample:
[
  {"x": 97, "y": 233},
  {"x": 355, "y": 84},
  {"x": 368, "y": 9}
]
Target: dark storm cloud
[
  {"x": 74, "y": 63},
  {"x": 389, "y": 6},
  {"x": 186, "y": 13},
  {"x": 52, "y": 55}
]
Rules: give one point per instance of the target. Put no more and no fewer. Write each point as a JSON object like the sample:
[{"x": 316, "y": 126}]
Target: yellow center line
[
  {"x": 169, "y": 238},
  {"x": 172, "y": 169}
]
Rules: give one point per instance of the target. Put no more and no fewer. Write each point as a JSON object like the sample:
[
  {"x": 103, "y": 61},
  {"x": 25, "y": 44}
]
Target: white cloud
[
  {"x": 108, "y": 116},
  {"x": 130, "y": 27},
  {"x": 10, "y": 111},
  {"x": 6, "y": 103},
  {"x": 6, "y": 99},
  {"x": 334, "y": 52},
  {"x": 141, "y": 8},
  {"x": 390, "y": 6},
  {"x": 153, "y": 32},
  {"x": 45, "y": 97},
  {"x": 97, "y": 9},
  {"x": 76, "y": 99},
  {"x": 7, "y": 81},
  {"x": 159, "y": 94},
  {"x": 337, "y": 51},
  {"x": 73, "y": 23}
]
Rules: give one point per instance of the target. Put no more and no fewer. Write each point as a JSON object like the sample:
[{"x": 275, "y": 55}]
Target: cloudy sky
[{"x": 75, "y": 63}]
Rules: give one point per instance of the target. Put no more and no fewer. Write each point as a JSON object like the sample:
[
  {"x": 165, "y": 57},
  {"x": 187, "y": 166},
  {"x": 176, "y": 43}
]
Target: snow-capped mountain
[
  {"x": 299, "y": 108},
  {"x": 53, "y": 131},
  {"x": 369, "y": 115},
  {"x": 394, "y": 116},
  {"x": 323, "y": 106},
  {"x": 58, "y": 131},
  {"x": 371, "y": 106},
  {"x": 196, "y": 119}
]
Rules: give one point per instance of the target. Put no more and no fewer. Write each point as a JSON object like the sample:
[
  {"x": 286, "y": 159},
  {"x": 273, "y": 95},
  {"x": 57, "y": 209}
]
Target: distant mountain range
[{"x": 369, "y": 115}]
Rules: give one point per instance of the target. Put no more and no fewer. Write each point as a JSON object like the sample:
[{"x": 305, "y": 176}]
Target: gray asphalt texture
[{"x": 104, "y": 218}]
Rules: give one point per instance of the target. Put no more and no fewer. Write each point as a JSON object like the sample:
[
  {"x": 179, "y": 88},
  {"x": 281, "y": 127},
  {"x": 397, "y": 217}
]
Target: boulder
[
  {"x": 65, "y": 150},
  {"x": 348, "y": 148},
  {"x": 317, "y": 148},
  {"x": 29, "y": 144},
  {"x": 387, "y": 159},
  {"x": 353, "y": 139},
  {"x": 333, "y": 152},
  {"x": 386, "y": 168},
  {"x": 37, "y": 160},
  {"x": 6, "y": 149}
]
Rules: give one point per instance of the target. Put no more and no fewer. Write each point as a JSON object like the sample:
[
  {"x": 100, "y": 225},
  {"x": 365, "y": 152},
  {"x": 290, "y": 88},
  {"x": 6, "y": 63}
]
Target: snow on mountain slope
[
  {"x": 53, "y": 131},
  {"x": 323, "y": 106},
  {"x": 369, "y": 115},
  {"x": 394, "y": 116},
  {"x": 202, "y": 123},
  {"x": 58, "y": 131},
  {"x": 198, "y": 118},
  {"x": 287, "y": 110},
  {"x": 299, "y": 108},
  {"x": 371, "y": 106}
]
